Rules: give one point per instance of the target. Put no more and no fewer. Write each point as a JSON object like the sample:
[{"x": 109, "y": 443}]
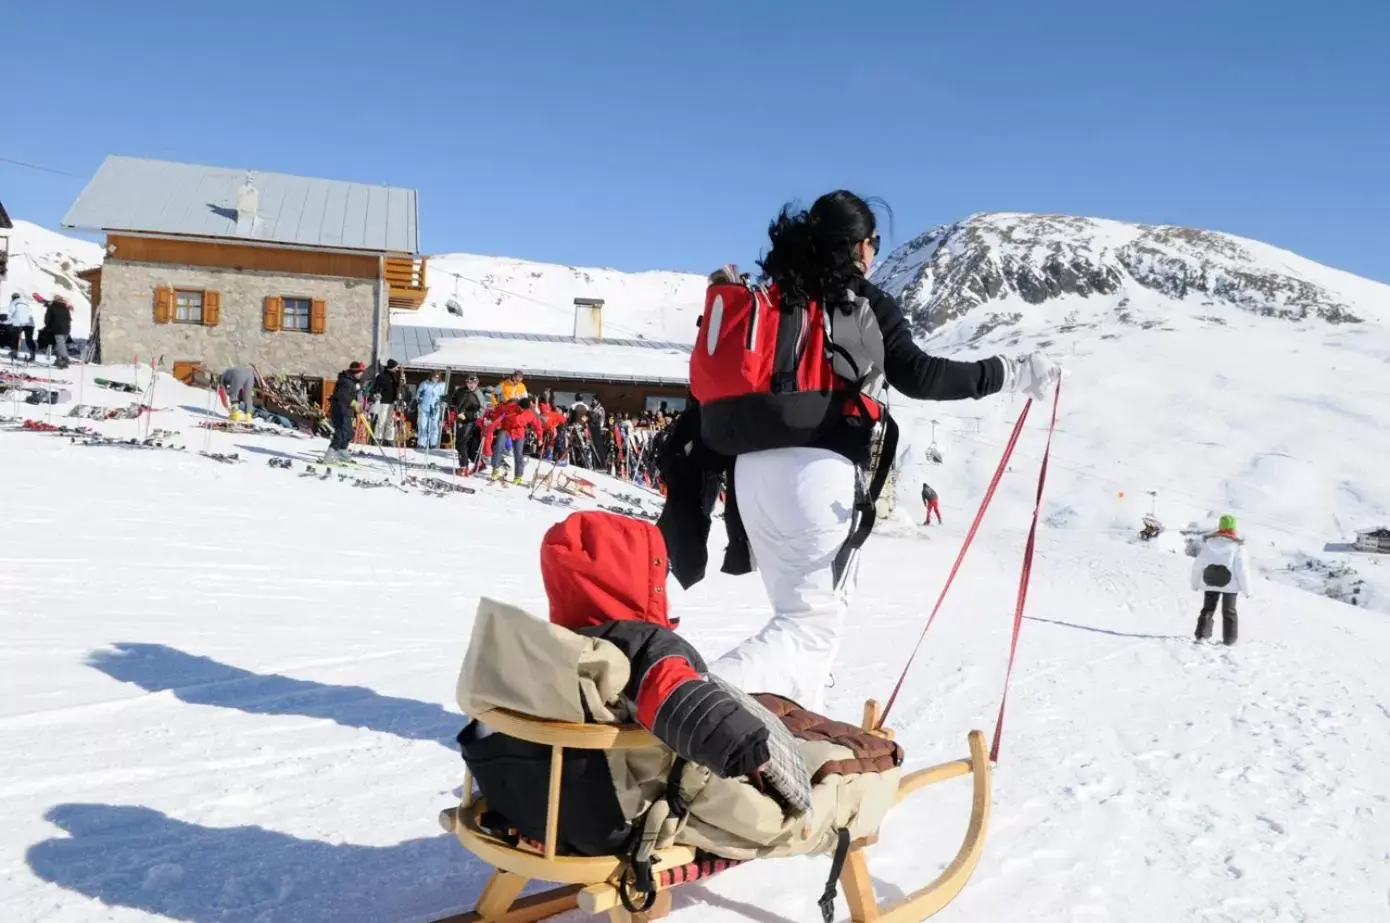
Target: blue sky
[{"x": 647, "y": 135}]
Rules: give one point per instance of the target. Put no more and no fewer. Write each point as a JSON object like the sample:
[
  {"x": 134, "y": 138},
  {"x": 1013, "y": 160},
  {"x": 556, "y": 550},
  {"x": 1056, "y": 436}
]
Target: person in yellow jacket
[{"x": 513, "y": 389}]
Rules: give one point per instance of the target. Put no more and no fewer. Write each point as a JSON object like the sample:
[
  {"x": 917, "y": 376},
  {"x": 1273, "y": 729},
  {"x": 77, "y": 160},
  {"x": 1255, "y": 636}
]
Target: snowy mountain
[
  {"x": 46, "y": 262},
  {"x": 1221, "y": 374},
  {"x": 953, "y": 270},
  {"x": 498, "y": 293}
]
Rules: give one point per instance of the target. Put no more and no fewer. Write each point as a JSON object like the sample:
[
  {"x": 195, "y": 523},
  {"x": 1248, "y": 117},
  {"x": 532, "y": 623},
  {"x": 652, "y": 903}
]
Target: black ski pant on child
[
  {"x": 1228, "y": 616},
  {"x": 343, "y": 420}
]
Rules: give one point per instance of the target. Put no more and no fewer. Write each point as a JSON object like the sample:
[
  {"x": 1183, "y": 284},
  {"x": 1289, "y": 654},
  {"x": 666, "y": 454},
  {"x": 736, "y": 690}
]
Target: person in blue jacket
[{"x": 430, "y": 398}]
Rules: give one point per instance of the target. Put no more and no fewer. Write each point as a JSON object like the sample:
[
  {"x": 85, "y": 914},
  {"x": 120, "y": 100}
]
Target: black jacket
[
  {"x": 386, "y": 386},
  {"x": 345, "y": 391},
  {"x": 468, "y": 404},
  {"x": 928, "y": 495},
  {"x": 670, "y": 694},
  {"x": 57, "y": 319}
]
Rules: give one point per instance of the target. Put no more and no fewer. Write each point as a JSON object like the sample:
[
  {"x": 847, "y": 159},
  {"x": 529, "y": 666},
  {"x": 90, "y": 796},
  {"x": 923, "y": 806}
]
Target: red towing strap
[
  {"x": 965, "y": 546},
  {"x": 1023, "y": 577}
]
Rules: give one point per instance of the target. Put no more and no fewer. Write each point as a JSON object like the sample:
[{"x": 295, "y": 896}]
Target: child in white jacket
[{"x": 1220, "y": 572}]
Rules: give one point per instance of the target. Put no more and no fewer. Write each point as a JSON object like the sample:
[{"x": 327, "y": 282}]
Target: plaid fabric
[{"x": 785, "y": 776}]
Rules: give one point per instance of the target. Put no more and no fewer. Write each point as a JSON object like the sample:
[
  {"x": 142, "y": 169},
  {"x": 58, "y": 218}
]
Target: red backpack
[{"x": 763, "y": 376}]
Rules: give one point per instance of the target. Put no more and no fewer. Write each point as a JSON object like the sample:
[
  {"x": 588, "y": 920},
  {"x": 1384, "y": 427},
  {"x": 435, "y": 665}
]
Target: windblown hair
[{"x": 813, "y": 251}]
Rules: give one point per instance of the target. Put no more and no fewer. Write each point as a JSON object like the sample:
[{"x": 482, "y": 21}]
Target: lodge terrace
[{"x": 626, "y": 375}]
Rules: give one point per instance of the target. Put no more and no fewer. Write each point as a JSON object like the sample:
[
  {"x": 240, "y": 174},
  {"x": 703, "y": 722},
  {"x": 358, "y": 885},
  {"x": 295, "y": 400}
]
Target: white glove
[{"x": 1034, "y": 374}]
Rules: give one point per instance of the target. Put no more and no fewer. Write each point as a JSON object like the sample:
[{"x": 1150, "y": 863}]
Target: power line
[{"x": 34, "y": 166}]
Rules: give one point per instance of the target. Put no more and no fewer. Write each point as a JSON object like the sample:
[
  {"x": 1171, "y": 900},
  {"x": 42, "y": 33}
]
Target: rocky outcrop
[{"x": 951, "y": 270}]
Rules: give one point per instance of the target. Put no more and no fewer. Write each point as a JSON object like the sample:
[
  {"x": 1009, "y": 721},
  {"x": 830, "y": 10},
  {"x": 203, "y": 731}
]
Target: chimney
[
  {"x": 588, "y": 318},
  {"x": 247, "y": 198}
]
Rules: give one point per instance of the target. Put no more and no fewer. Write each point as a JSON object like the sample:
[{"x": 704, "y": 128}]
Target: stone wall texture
[{"x": 128, "y": 328}]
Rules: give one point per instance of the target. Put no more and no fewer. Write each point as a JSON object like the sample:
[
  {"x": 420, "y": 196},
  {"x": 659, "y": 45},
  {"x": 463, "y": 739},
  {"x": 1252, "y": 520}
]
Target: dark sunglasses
[{"x": 874, "y": 242}]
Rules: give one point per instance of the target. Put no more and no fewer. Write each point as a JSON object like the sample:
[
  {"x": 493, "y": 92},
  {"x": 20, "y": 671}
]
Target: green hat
[{"x": 1227, "y": 523}]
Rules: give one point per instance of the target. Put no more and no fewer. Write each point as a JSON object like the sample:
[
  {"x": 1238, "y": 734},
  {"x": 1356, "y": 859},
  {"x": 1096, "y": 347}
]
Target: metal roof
[
  {"x": 540, "y": 355},
  {"x": 161, "y": 197}
]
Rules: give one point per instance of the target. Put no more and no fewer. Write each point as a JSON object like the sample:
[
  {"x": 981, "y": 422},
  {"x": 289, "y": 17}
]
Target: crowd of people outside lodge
[{"x": 494, "y": 429}]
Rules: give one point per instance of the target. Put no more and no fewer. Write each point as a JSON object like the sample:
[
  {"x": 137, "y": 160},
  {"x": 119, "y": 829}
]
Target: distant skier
[
  {"x": 430, "y": 398},
  {"x": 386, "y": 390},
  {"x": 1220, "y": 572},
  {"x": 21, "y": 326},
  {"x": 239, "y": 384},
  {"x": 468, "y": 411},
  {"x": 57, "y": 327},
  {"x": 344, "y": 406},
  {"x": 510, "y": 421},
  {"x": 932, "y": 502}
]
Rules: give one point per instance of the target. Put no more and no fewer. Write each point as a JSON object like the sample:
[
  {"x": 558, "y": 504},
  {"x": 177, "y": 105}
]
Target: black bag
[
  {"x": 514, "y": 777},
  {"x": 1216, "y": 575}
]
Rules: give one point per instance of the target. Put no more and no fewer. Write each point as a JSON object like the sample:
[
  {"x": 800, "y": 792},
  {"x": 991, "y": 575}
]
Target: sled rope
[
  {"x": 1027, "y": 572},
  {"x": 965, "y": 547}
]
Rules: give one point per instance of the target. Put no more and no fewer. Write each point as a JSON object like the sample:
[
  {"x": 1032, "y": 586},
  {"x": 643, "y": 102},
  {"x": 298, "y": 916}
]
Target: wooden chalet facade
[{"x": 208, "y": 268}]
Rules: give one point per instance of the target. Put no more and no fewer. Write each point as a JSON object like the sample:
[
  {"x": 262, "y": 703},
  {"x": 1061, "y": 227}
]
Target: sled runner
[{"x": 593, "y": 883}]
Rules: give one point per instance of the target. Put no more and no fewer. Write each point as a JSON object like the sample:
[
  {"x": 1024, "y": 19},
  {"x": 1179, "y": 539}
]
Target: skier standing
[
  {"x": 932, "y": 502},
  {"x": 468, "y": 409},
  {"x": 510, "y": 420},
  {"x": 57, "y": 327},
  {"x": 344, "y": 406},
  {"x": 239, "y": 384},
  {"x": 801, "y": 501},
  {"x": 21, "y": 326},
  {"x": 1220, "y": 572},
  {"x": 429, "y": 398},
  {"x": 386, "y": 390}
]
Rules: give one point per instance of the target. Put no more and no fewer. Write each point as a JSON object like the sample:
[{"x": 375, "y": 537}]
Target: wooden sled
[{"x": 590, "y": 883}]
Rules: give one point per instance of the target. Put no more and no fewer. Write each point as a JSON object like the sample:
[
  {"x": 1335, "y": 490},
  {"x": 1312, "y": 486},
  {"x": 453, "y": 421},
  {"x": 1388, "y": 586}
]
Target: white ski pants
[{"x": 796, "y": 505}]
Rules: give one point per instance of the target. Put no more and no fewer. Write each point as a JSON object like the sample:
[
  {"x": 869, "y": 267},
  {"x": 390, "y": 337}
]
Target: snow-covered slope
[
  {"x": 497, "y": 293},
  {"x": 1223, "y": 374},
  {"x": 46, "y": 262},
  {"x": 251, "y": 718}
]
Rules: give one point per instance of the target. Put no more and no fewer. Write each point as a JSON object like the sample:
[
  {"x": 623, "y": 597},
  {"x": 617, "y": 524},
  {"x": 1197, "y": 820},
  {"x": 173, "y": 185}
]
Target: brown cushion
[{"x": 872, "y": 753}]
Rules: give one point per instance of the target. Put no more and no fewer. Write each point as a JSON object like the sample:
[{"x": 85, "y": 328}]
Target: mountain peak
[{"x": 997, "y": 258}]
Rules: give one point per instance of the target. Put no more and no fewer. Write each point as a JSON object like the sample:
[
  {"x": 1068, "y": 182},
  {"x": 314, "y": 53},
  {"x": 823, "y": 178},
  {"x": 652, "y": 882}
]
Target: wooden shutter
[
  {"x": 274, "y": 313},
  {"x": 163, "y": 304},
  {"x": 318, "y": 315},
  {"x": 212, "y": 308}
]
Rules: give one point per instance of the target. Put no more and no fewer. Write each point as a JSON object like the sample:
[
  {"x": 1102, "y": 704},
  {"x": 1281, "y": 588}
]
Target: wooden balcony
[{"x": 405, "y": 280}]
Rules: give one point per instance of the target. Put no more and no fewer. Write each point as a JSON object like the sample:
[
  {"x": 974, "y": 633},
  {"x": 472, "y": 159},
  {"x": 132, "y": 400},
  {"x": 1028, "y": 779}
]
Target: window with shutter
[
  {"x": 163, "y": 304},
  {"x": 318, "y": 316},
  {"x": 295, "y": 316},
  {"x": 188, "y": 307},
  {"x": 212, "y": 308},
  {"x": 274, "y": 310}
]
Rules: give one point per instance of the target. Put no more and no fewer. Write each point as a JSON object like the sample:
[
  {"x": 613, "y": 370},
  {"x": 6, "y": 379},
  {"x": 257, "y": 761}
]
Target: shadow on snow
[
  {"x": 203, "y": 681},
  {"x": 136, "y": 857},
  {"x": 1104, "y": 631}
]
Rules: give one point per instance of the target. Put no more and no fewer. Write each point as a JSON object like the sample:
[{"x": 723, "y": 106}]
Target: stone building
[{"x": 208, "y": 267}]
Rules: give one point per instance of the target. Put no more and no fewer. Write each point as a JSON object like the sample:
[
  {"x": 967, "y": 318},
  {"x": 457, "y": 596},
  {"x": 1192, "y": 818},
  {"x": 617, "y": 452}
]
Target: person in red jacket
[{"x": 512, "y": 420}]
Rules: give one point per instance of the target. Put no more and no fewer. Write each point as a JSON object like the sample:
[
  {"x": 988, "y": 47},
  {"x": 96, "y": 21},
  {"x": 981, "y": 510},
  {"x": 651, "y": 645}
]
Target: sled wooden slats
[
  {"x": 552, "y": 807},
  {"x": 530, "y": 909},
  {"x": 562, "y": 734},
  {"x": 590, "y": 881}
]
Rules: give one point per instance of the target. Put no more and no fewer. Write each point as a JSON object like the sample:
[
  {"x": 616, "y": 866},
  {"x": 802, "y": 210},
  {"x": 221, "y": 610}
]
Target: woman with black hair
[{"x": 797, "y": 503}]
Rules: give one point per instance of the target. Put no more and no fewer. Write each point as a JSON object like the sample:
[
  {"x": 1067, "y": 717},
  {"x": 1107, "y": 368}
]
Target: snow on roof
[
  {"x": 540, "y": 355},
  {"x": 158, "y": 196}
]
